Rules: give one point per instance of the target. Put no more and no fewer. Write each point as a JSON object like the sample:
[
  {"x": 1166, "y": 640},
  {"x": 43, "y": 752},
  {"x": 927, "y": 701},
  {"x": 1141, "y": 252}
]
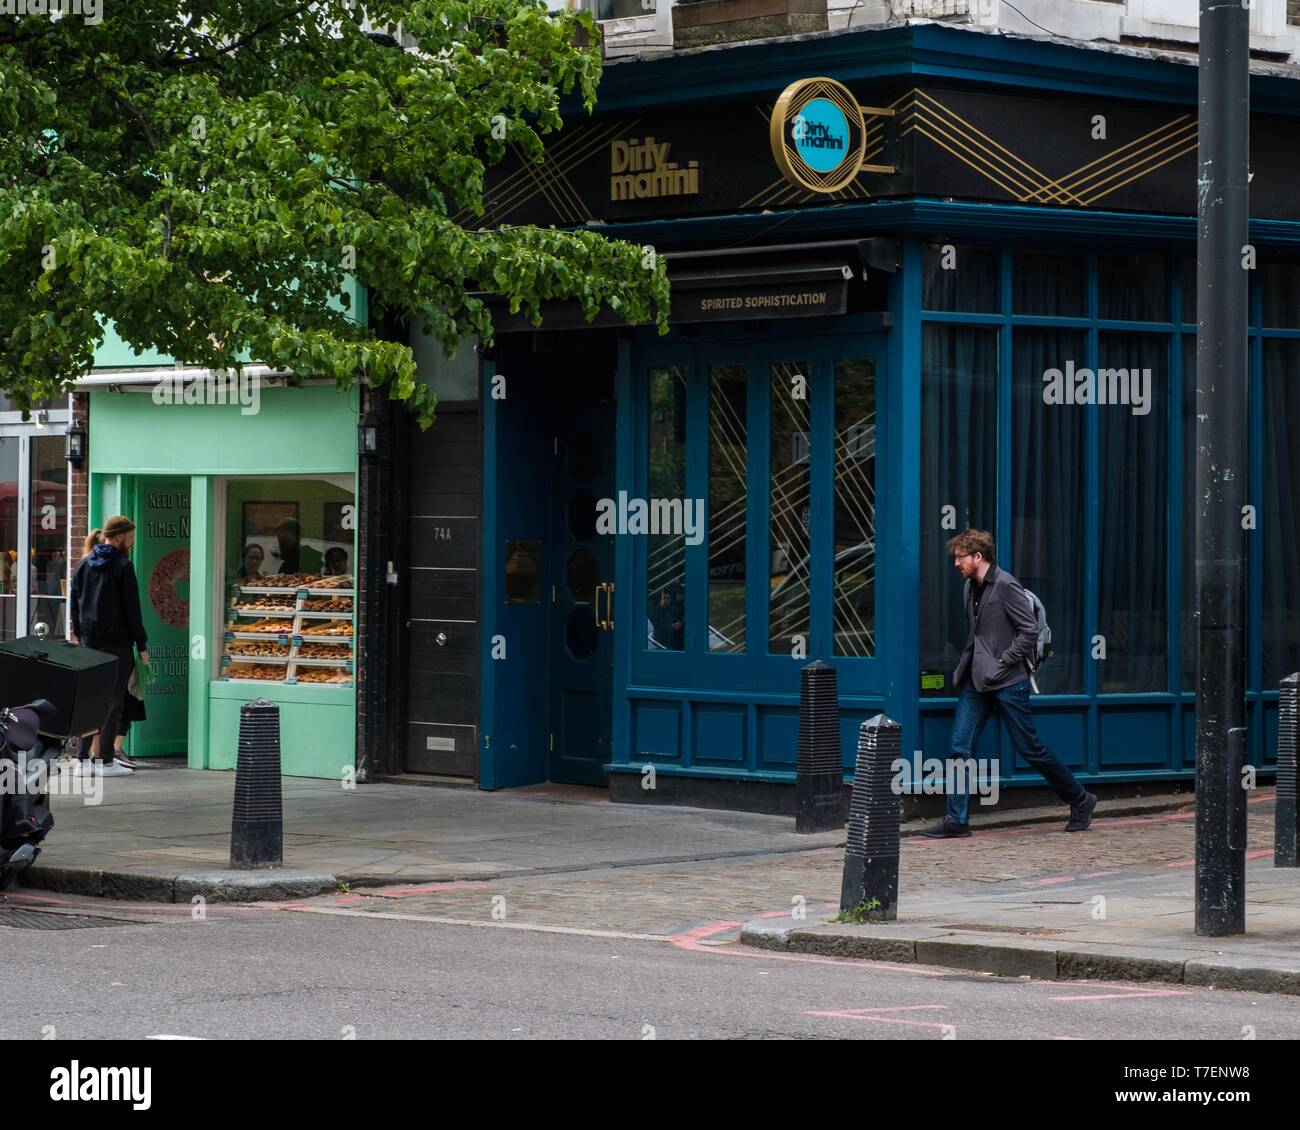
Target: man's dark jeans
[{"x": 974, "y": 708}]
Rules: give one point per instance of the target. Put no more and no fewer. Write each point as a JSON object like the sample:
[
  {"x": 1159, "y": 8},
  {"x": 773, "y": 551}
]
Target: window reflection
[
  {"x": 790, "y": 505},
  {"x": 666, "y": 479},
  {"x": 728, "y": 450}
]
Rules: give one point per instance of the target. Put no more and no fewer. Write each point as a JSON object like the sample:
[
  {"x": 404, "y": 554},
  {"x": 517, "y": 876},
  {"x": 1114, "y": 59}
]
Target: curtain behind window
[
  {"x": 1280, "y": 517},
  {"x": 959, "y": 440},
  {"x": 1132, "y": 572},
  {"x": 1047, "y": 503}
]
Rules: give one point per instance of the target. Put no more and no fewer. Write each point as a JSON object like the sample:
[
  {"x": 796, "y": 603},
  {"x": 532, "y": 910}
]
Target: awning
[{"x": 736, "y": 284}]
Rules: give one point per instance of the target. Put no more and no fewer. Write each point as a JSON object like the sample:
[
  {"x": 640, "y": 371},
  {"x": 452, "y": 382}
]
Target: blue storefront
[{"x": 991, "y": 324}]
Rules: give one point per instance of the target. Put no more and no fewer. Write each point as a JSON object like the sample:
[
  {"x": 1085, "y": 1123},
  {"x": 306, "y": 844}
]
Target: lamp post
[{"x": 1222, "y": 290}]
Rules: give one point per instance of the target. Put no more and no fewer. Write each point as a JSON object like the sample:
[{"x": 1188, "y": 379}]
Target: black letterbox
[{"x": 77, "y": 680}]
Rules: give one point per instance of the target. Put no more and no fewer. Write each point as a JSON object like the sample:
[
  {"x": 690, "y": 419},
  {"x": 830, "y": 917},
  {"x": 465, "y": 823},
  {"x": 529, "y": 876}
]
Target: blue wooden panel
[
  {"x": 1189, "y": 736},
  {"x": 778, "y": 737},
  {"x": 1270, "y": 734},
  {"x": 850, "y": 722},
  {"x": 936, "y": 738},
  {"x": 657, "y": 731},
  {"x": 1132, "y": 738},
  {"x": 1064, "y": 732},
  {"x": 719, "y": 734}
]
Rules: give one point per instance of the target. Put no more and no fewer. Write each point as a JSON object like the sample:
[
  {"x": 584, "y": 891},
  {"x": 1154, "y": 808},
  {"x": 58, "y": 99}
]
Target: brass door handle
[{"x": 607, "y": 621}]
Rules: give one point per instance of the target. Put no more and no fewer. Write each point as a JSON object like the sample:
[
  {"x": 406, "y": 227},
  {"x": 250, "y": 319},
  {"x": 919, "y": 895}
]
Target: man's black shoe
[
  {"x": 947, "y": 830},
  {"x": 1081, "y": 814}
]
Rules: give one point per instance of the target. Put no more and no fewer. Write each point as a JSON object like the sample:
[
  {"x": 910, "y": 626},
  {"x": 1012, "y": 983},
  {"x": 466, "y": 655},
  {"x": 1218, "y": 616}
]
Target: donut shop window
[{"x": 290, "y": 594}]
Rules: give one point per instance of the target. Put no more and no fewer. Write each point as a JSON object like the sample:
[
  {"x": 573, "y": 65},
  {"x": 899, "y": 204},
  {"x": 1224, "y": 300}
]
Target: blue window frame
[{"x": 776, "y": 438}]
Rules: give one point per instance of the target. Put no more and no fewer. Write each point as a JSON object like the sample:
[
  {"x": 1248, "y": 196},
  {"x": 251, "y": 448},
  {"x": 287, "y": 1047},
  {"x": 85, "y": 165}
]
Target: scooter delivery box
[{"x": 78, "y": 681}]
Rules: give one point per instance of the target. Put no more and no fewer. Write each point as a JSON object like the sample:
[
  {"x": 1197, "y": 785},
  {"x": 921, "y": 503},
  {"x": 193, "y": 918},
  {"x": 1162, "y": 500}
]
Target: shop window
[
  {"x": 1046, "y": 284},
  {"x": 9, "y": 537},
  {"x": 1133, "y": 288},
  {"x": 728, "y": 504},
  {"x": 48, "y": 510},
  {"x": 666, "y": 481},
  {"x": 1048, "y": 468},
  {"x": 1132, "y": 585},
  {"x": 959, "y": 429},
  {"x": 790, "y": 505},
  {"x": 962, "y": 279},
  {"x": 289, "y": 560},
  {"x": 854, "y": 572},
  {"x": 1279, "y": 518},
  {"x": 1187, "y": 269},
  {"x": 1279, "y": 285}
]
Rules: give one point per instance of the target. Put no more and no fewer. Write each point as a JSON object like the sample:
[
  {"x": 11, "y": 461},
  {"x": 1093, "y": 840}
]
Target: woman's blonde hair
[{"x": 92, "y": 540}]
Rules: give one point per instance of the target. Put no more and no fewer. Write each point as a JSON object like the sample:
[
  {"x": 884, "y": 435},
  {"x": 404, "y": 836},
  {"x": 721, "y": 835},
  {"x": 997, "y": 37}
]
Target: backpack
[{"x": 1043, "y": 646}]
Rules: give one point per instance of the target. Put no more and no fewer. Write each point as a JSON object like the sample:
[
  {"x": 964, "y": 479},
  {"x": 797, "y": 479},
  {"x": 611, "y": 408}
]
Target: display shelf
[{"x": 296, "y": 637}]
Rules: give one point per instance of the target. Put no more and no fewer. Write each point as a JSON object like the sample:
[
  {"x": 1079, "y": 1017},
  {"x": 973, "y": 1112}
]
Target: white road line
[
  {"x": 525, "y": 926},
  {"x": 166, "y": 1036}
]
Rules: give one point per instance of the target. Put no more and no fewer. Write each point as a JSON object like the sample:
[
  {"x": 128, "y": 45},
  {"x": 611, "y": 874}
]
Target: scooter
[{"x": 26, "y": 762}]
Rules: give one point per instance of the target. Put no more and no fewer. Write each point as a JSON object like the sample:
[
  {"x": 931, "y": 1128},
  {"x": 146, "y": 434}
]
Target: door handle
[
  {"x": 607, "y": 621},
  {"x": 600, "y": 590}
]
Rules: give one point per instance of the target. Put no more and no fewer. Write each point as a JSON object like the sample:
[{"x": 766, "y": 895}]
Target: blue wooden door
[
  {"x": 582, "y": 569},
  {"x": 775, "y": 439}
]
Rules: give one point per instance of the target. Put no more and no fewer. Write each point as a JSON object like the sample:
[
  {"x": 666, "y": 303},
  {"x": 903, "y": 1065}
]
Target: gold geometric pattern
[{"x": 1082, "y": 187}]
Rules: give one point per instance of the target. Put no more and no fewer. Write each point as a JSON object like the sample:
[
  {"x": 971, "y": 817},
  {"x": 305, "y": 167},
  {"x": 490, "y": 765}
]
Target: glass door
[
  {"x": 33, "y": 529},
  {"x": 756, "y": 469}
]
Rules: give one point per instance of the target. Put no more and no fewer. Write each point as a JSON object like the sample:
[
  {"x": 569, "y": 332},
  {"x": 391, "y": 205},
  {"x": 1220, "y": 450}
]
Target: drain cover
[{"x": 18, "y": 918}]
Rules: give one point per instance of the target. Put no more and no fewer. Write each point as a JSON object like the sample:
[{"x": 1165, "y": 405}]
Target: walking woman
[{"x": 106, "y": 616}]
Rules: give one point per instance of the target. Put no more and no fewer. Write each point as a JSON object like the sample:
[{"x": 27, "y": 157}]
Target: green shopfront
[{"x": 246, "y": 530}]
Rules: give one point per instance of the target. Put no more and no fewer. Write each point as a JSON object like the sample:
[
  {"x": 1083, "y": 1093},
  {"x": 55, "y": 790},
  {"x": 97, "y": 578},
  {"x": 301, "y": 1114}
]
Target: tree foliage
[{"x": 207, "y": 176}]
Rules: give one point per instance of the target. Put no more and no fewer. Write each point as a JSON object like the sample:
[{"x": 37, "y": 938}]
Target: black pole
[{"x": 1221, "y": 296}]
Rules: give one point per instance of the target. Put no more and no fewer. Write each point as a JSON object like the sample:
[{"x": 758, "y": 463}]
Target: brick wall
[
  {"x": 78, "y": 490},
  {"x": 1293, "y": 11}
]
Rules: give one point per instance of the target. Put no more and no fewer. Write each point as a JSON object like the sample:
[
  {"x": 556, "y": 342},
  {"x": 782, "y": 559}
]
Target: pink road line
[
  {"x": 1128, "y": 995},
  {"x": 885, "y": 1008},
  {"x": 1048, "y": 882},
  {"x": 1093, "y": 875},
  {"x": 406, "y": 892},
  {"x": 1101, "y": 821},
  {"x": 841, "y": 1015}
]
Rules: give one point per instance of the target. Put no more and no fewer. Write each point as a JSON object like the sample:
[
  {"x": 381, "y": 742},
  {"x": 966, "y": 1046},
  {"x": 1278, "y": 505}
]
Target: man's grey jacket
[{"x": 1003, "y": 634}]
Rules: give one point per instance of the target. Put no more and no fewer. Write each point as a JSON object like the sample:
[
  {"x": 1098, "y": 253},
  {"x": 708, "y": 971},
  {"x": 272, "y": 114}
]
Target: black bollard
[
  {"x": 819, "y": 787},
  {"x": 875, "y": 817},
  {"x": 257, "y": 828},
  {"x": 1285, "y": 828}
]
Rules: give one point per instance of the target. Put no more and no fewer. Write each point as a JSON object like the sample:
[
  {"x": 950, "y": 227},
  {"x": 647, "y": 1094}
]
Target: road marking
[
  {"x": 167, "y": 1036},
  {"x": 623, "y": 935},
  {"x": 870, "y": 1014}
]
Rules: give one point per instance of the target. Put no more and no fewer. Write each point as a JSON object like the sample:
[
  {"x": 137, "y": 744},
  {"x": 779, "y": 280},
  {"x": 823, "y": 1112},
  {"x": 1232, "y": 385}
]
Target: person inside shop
[
  {"x": 667, "y": 620},
  {"x": 250, "y": 565},
  {"x": 336, "y": 561},
  {"x": 286, "y": 533},
  {"x": 105, "y": 614}
]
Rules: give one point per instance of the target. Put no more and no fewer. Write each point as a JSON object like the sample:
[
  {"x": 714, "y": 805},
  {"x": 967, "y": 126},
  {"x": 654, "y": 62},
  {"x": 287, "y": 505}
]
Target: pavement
[{"x": 1018, "y": 898}]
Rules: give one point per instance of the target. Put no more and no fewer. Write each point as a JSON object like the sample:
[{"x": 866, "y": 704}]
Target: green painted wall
[
  {"x": 162, "y": 549},
  {"x": 296, "y": 431}
]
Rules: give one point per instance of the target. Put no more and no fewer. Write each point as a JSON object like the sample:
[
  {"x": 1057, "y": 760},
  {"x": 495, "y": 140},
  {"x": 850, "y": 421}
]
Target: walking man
[{"x": 993, "y": 674}]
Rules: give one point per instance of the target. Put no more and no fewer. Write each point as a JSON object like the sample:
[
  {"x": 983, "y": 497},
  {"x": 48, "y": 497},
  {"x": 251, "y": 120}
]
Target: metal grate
[{"x": 17, "y": 918}]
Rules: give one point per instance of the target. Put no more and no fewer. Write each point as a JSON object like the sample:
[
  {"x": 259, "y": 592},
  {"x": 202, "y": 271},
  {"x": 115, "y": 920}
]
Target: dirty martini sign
[{"x": 818, "y": 135}]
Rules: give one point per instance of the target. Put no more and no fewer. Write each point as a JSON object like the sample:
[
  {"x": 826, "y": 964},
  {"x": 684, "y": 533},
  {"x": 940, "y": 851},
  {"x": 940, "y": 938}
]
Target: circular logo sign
[{"x": 817, "y": 135}]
